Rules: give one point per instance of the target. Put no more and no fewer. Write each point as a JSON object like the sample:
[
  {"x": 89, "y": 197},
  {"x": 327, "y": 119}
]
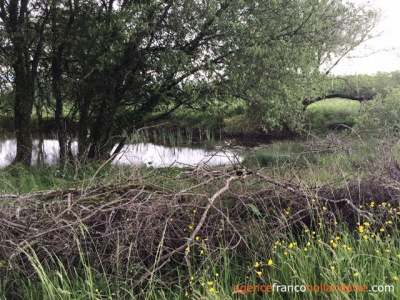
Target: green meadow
[{"x": 329, "y": 114}]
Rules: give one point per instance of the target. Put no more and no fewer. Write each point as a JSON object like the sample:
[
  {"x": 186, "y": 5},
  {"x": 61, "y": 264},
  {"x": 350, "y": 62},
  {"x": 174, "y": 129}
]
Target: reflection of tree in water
[
  {"x": 46, "y": 152},
  {"x": 40, "y": 151}
]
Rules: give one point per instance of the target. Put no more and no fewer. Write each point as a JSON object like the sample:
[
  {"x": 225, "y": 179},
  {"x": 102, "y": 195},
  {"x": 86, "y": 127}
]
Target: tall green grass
[
  {"x": 319, "y": 161},
  {"x": 366, "y": 255},
  {"x": 328, "y": 114}
]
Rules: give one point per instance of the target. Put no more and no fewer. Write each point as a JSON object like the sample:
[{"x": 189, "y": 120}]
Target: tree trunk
[
  {"x": 61, "y": 126},
  {"x": 24, "y": 98},
  {"x": 83, "y": 127},
  {"x": 101, "y": 143},
  {"x": 26, "y": 49},
  {"x": 40, "y": 150}
]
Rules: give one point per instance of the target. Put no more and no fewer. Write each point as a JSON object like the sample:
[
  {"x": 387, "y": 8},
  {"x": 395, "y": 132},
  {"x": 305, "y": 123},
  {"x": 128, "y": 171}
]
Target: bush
[{"x": 381, "y": 115}]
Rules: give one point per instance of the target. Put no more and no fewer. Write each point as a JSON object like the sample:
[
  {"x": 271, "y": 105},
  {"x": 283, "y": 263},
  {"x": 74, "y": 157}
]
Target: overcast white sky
[{"x": 387, "y": 44}]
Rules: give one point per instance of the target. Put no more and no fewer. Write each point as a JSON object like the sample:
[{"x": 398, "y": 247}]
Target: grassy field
[
  {"x": 278, "y": 228},
  {"x": 328, "y": 114}
]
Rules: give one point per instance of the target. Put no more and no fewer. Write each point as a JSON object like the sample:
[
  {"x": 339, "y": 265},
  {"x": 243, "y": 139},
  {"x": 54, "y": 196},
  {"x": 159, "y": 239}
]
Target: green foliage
[
  {"x": 361, "y": 87},
  {"x": 118, "y": 65},
  {"x": 18, "y": 179},
  {"x": 279, "y": 155},
  {"x": 380, "y": 116},
  {"x": 275, "y": 74}
]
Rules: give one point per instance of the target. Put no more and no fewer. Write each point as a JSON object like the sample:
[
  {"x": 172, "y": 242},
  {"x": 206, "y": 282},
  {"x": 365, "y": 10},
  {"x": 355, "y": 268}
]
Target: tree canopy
[{"x": 114, "y": 65}]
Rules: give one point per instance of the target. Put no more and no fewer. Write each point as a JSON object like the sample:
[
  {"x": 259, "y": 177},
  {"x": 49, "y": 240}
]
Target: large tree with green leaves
[
  {"x": 288, "y": 54},
  {"x": 119, "y": 64}
]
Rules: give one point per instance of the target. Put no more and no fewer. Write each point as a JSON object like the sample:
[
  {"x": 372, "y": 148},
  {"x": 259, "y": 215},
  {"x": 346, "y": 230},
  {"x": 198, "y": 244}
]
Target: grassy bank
[
  {"x": 326, "y": 115},
  {"x": 222, "y": 120},
  {"x": 328, "y": 214}
]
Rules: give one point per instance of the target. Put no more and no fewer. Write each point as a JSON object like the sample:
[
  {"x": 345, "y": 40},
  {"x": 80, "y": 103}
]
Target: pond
[{"x": 133, "y": 154}]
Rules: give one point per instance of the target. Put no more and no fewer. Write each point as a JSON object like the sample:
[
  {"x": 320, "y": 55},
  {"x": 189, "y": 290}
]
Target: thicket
[{"x": 381, "y": 116}]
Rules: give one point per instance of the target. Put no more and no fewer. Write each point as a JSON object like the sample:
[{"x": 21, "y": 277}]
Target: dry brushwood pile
[{"x": 147, "y": 229}]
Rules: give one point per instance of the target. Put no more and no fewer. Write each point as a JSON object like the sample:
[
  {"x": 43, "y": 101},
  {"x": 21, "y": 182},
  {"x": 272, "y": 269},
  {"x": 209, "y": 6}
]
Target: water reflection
[{"x": 132, "y": 154}]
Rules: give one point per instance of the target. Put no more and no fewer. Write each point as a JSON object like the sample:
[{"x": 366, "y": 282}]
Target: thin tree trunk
[
  {"x": 83, "y": 130},
  {"x": 41, "y": 153}
]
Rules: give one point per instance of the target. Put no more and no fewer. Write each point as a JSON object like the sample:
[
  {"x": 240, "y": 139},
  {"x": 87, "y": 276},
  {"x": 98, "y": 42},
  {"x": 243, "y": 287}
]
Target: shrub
[{"x": 381, "y": 115}]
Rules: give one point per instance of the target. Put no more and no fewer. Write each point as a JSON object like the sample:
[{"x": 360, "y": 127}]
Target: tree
[
  {"x": 129, "y": 62},
  {"x": 356, "y": 87},
  {"x": 23, "y": 40},
  {"x": 292, "y": 48}
]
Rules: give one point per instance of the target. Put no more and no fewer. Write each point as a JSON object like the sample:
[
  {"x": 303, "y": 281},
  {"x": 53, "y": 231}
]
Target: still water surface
[{"x": 132, "y": 154}]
